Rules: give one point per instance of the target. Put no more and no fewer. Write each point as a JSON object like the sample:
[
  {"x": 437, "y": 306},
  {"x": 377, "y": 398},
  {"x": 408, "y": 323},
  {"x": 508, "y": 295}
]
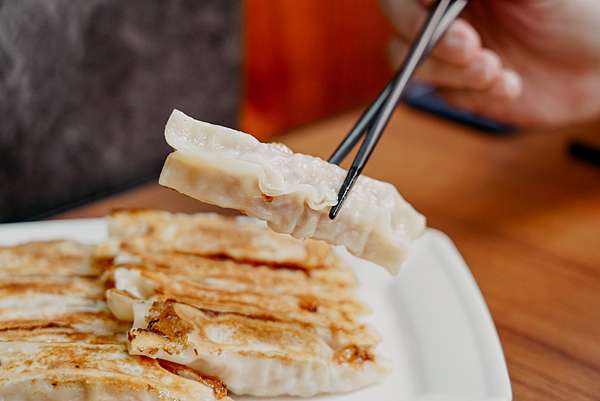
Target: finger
[
  {"x": 457, "y": 46},
  {"x": 508, "y": 86},
  {"x": 480, "y": 74},
  {"x": 498, "y": 102},
  {"x": 406, "y": 16}
]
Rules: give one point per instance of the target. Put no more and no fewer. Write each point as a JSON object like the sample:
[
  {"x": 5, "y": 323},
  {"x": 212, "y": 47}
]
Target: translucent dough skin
[{"x": 291, "y": 192}]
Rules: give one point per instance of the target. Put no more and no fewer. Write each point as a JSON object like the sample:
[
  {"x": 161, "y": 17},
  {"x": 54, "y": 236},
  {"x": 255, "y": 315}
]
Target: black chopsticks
[{"x": 373, "y": 121}]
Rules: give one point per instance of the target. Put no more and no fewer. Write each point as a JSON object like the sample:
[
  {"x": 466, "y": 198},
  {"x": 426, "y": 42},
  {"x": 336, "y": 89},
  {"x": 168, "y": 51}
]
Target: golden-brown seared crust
[
  {"x": 61, "y": 319},
  {"x": 333, "y": 282},
  {"x": 51, "y": 258},
  {"x": 105, "y": 365},
  {"x": 242, "y": 331},
  {"x": 217, "y": 236},
  {"x": 56, "y": 332},
  {"x": 164, "y": 321},
  {"x": 109, "y": 332},
  {"x": 319, "y": 289},
  {"x": 209, "y": 272},
  {"x": 342, "y": 313},
  {"x": 297, "y": 297},
  {"x": 218, "y": 387},
  {"x": 182, "y": 325},
  {"x": 354, "y": 354},
  {"x": 33, "y": 301},
  {"x": 86, "y": 287}
]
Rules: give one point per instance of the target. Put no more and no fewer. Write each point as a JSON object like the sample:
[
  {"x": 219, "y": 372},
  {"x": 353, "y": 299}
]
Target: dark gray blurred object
[
  {"x": 425, "y": 97},
  {"x": 87, "y": 86},
  {"x": 586, "y": 152}
]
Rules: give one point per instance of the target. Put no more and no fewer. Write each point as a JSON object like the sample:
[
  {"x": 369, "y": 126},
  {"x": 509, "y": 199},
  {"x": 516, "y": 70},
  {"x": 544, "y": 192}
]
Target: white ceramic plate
[{"x": 436, "y": 327}]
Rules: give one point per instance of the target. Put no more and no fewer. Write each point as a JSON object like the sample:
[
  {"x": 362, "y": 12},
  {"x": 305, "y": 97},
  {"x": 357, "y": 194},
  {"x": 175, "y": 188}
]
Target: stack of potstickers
[
  {"x": 265, "y": 313},
  {"x": 59, "y": 341},
  {"x": 181, "y": 307}
]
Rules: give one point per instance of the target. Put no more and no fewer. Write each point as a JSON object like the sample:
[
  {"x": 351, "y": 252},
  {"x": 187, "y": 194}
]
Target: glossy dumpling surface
[{"x": 292, "y": 192}]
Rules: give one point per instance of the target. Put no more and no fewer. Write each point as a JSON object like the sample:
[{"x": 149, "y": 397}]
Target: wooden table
[{"x": 525, "y": 216}]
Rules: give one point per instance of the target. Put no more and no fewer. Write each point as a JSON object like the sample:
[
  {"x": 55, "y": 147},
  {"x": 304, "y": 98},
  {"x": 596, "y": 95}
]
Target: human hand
[{"x": 526, "y": 62}]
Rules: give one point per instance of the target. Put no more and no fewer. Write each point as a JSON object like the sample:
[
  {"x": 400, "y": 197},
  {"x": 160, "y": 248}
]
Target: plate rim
[{"x": 479, "y": 308}]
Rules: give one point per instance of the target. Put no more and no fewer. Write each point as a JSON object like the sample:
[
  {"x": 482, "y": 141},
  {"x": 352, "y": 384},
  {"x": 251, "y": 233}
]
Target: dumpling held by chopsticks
[{"x": 292, "y": 192}]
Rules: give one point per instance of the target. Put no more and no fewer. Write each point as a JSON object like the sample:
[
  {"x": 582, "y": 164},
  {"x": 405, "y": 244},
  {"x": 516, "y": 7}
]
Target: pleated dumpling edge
[{"x": 292, "y": 192}]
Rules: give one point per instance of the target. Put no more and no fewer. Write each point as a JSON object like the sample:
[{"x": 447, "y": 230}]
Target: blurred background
[
  {"x": 86, "y": 86},
  {"x": 309, "y": 59}
]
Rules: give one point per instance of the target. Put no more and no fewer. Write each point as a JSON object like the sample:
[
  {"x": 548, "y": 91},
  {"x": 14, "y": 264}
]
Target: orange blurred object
[{"x": 307, "y": 59}]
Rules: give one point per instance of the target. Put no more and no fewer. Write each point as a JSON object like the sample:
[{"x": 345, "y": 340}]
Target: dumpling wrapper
[
  {"x": 252, "y": 356},
  {"x": 292, "y": 192},
  {"x": 290, "y": 327},
  {"x": 58, "y": 340}
]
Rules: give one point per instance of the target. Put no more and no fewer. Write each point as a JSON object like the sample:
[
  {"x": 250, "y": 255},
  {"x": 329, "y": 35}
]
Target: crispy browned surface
[
  {"x": 57, "y": 329},
  {"x": 334, "y": 281},
  {"x": 353, "y": 354},
  {"x": 100, "y": 365},
  {"x": 97, "y": 331},
  {"x": 341, "y": 314},
  {"x": 86, "y": 287},
  {"x": 163, "y": 320},
  {"x": 52, "y": 258},
  {"x": 39, "y": 301},
  {"x": 280, "y": 299},
  {"x": 63, "y": 319},
  {"x": 215, "y": 383},
  {"x": 216, "y": 235},
  {"x": 227, "y": 295},
  {"x": 291, "y": 341}
]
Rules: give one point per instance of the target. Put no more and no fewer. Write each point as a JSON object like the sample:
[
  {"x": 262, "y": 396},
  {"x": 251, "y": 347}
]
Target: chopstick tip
[{"x": 333, "y": 212}]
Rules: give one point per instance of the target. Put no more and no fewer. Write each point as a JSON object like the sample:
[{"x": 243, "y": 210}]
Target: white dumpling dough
[{"x": 292, "y": 192}]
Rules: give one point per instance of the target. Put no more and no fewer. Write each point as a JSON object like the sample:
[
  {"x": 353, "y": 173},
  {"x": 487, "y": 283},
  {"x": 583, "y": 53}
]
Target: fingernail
[
  {"x": 513, "y": 86},
  {"x": 483, "y": 70},
  {"x": 478, "y": 70},
  {"x": 455, "y": 41},
  {"x": 509, "y": 85}
]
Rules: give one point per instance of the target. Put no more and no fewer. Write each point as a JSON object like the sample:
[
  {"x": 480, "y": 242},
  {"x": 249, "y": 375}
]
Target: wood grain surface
[{"x": 524, "y": 215}]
